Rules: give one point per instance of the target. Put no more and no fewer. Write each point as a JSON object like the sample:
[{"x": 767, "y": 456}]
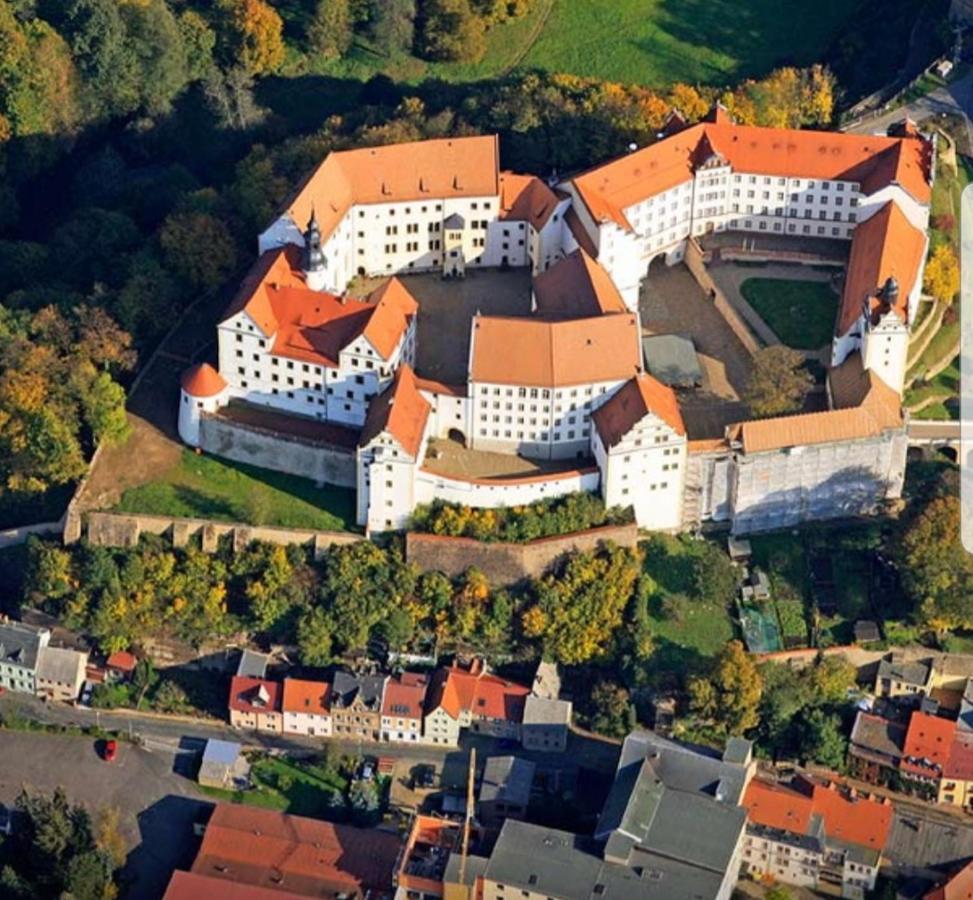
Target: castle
[{"x": 569, "y": 384}]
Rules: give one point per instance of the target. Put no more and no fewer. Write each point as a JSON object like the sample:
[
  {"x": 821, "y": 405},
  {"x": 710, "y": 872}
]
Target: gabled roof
[
  {"x": 404, "y": 696},
  {"x": 400, "y": 410},
  {"x": 927, "y": 743},
  {"x": 256, "y": 695},
  {"x": 959, "y": 887},
  {"x": 192, "y": 886},
  {"x": 346, "y": 688},
  {"x": 456, "y": 690},
  {"x": 526, "y": 198},
  {"x": 300, "y": 696},
  {"x": 886, "y": 245},
  {"x": 417, "y": 170},
  {"x": 315, "y": 326},
  {"x": 202, "y": 380},
  {"x": 539, "y": 353},
  {"x": 852, "y": 385},
  {"x": 959, "y": 764},
  {"x": 271, "y": 849},
  {"x": 576, "y": 287},
  {"x": 632, "y": 402},
  {"x": 122, "y": 660}
]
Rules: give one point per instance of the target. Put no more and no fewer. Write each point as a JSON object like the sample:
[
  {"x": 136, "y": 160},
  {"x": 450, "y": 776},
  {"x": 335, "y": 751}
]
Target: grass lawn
[
  {"x": 943, "y": 387},
  {"x": 307, "y": 790},
  {"x": 654, "y": 42},
  {"x": 800, "y": 313},
  {"x": 208, "y": 487},
  {"x": 946, "y": 192},
  {"x": 944, "y": 342}
]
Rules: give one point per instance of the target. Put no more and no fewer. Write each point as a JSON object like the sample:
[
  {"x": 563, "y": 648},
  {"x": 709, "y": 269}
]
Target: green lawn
[
  {"x": 800, "y": 313},
  {"x": 654, "y": 42},
  {"x": 946, "y": 192},
  {"x": 208, "y": 487},
  {"x": 944, "y": 342},
  {"x": 944, "y": 386}
]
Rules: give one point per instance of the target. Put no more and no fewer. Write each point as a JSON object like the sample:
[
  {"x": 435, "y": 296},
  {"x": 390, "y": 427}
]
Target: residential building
[
  {"x": 877, "y": 746},
  {"x": 959, "y": 886},
  {"x": 423, "y": 862},
  {"x": 190, "y": 886},
  {"x": 120, "y": 665},
  {"x": 927, "y": 744},
  {"x": 20, "y": 647},
  {"x": 306, "y": 706},
  {"x": 252, "y": 664},
  {"x": 546, "y": 724},
  {"x": 255, "y": 704},
  {"x": 307, "y": 857},
  {"x": 356, "y": 706},
  {"x": 815, "y": 834},
  {"x": 899, "y": 677},
  {"x": 504, "y": 789},
  {"x": 223, "y": 765},
  {"x": 402, "y": 705},
  {"x": 60, "y": 673},
  {"x": 956, "y": 785}
]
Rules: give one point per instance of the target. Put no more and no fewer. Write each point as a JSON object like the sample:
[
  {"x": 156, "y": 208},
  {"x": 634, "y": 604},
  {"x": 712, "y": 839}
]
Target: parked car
[
  {"x": 366, "y": 772},
  {"x": 110, "y": 750}
]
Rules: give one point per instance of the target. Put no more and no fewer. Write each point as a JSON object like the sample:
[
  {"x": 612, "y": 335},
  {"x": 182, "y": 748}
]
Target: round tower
[
  {"x": 203, "y": 390},
  {"x": 314, "y": 261}
]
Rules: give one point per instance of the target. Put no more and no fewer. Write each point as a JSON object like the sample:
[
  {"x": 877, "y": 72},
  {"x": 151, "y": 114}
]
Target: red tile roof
[
  {"x": 271, "y": 849},
  {"x": 419, "y": 170},
  {"x": 457, "y": 690},
  {"x": 192, "y": 886},
  {"x": 927, "y": 744},
  {"x": 885, "y": 245},
  {"x": 847, "y": 815},
  {"x": 959, "y": 765},
  {"x": 538, "y": 353},
  {"x": 122, "y": 660},
  {"x": 631, "y": 403},
  {"x": 400, "y": 410},
  {"x": 315, "y": 326},
  {"x": 202, "y": 381},
  {"x": 959, "y": 887},
  {"x": 404, "y": 696},
  {"x": 576, "y": 287},
  {"x": 245, "y": 695},
  {"x": 301, "y": 696},
  {"x": 526, "y": 198}
]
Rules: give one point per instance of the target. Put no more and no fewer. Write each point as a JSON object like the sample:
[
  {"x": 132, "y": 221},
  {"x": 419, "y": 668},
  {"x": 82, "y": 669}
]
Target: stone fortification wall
[{"x": 503, "y": 563}]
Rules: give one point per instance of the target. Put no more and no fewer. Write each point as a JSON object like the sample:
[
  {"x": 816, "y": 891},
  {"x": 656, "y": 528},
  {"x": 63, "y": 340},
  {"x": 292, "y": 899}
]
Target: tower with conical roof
[{"x": 315, "y": 264}]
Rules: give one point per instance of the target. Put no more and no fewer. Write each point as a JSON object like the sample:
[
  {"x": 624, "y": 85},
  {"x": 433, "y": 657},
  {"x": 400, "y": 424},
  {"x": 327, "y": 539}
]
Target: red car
[{"x": 110, "y": 751}]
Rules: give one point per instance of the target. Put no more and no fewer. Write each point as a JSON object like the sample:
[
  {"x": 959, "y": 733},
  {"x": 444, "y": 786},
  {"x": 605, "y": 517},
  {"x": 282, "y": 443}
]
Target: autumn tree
[
  {"x": 199, "y": 247},
  {"x": 253, "y": 35},
  {"x": 393, "y": 25},
  {"x": 329, "y": 32},
  {"x": 778, "y": 382},
  {"x": 611, "y": 712},
  {"x": 941, "y": 279},
  {"x": 688, "y": 101},
  {"x": 729, "y": 698},
  {"x": 451, "y": 31}
]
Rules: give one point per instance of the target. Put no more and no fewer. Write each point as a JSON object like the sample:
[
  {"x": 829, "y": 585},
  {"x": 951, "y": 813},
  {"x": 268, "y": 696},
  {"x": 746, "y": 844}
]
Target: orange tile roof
[
  {"x": 315, "y": 326},
  {"x": 631, "y": 403},
  {"x": 847, "y": 815},
  {"x": 577, "y": 229},
  {"x": 959, "y": 764},
  {"x": 885, "y": 245},
  {"x": 202, "y": 380},
  {"x": 526, "y": 198},
  {"x": 271, "y": 849},
  {"x": 871, "y": 161},
  {"x": 301, "y": 696},
  {"x": 192, "y": 886},
  {"x": 927, "y": 741},
  {"x": 404, "y": 696},
  {"x": 959, "y": 887},
  {"x": 122, "y": 660},
  {"x": 400, "y": 410},
  {"x": 540, "y": 353},
  {"x": 457, "y": 690},
  {"x": 244, "y": 692},
  {"x": 852, "y": 386},
  {"x": 576, "y": 287},
  {"x": 419, "y": 170}
]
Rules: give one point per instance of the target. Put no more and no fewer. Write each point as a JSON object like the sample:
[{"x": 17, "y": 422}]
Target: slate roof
[
  {"x": 507, "y": 779},
  {"x": 345, "y": 688},
  {"x": 20, "y": 645}
]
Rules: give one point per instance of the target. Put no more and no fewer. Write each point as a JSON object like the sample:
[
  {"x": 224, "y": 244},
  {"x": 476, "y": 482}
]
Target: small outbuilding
[{"x": 223, "y": 765}]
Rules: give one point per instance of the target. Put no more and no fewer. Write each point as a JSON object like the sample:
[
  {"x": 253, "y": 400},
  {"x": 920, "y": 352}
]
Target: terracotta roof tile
[
  {"x": 122, "y": 660},
  {"x": 271, "y": 849},
  {"x": 400, "y": 410},
  {"x": 959, "y": 887},
  {"x": 394, "y": 308},
  {"x": 192, "y": 886},
  {"x": 927, "y": 744},
  {"x": 577, "y": 229},
  {"x": 576, "y": 287},
  {"x": 540, "y": 353},
  {"x": 202, "y": 381},
  {"x": 254, "y": 695},
  {"x": 419, "y": 170},
  {"x": 959, "y": 765},
  {"x": 631, "y": 403},
  {"x": 456, "y": 690},
  {"x": 404, "y": 696},
  {"x": 526, "y": 198},
  {"x": 302, "y": 696}
]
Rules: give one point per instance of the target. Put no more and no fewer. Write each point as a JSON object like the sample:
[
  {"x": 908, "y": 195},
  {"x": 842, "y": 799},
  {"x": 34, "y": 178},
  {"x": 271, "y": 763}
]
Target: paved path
[{"x": 921, "y": 430}]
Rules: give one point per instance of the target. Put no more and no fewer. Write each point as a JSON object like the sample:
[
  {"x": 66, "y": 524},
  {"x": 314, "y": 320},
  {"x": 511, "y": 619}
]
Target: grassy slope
[
  {"x": 212, "y": 488},
  {"x": 800, "y": 313},
  {"x": 654, "y": 42}
]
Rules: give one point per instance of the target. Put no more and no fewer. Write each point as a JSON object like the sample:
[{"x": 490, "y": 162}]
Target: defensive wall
[{"x": 506, "y": 563}]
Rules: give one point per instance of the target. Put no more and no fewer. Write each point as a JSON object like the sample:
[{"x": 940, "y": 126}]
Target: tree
[
  {"x": 329, "y": 32},
  {"x": 941, "y": 279},
  {"x": 393, "y": 25},
  {"x": 730, "y": 697},
  {"x": 823, "y": 739},
  {"x": 612, "y": 713},
  {"x": 157, "y": 42},
  {"x": 688, "y": 101},
  {"x": 451, "y": 31},
  {"x": 198, "y": 40},
  {"x": 104, "y": 410},
  {"x": 936, "y": 571},
  {"x": 253, "y": 34},
  {"x": 199, "y": 247},
  {"x": 315, "y": 638},
  {"x": 230, "y": 95},
  {"x": 715, "y": 578},
  {"x": 778, "y": 382}
]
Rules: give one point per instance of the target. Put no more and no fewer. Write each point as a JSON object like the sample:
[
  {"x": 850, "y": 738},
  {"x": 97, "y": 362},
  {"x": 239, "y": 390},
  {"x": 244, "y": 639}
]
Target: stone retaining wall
[
  {"x": 505, "y": 563},
  {"x": 107, "y": 529}
]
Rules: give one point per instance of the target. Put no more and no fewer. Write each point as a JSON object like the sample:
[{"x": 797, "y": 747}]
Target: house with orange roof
[
  {"x": 639, "y": 443},
  {"x": 402, "y": 707},
  {"x": 255, "y": 704},
  {"x": 959, "y": 886},
  {"x": 956, "y": 785},
  {"x": 815, "y": 833},
  {"x": 928, "y": 740},
  {"x": 306, "y": 707}
]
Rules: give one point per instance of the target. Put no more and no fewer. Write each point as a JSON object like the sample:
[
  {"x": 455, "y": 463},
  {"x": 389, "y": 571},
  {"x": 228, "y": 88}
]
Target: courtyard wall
[{"x": 490, "y": 493}]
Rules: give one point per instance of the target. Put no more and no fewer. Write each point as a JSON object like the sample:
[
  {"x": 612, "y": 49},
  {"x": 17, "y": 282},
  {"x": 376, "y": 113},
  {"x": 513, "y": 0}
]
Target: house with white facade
[
  {"x": 306, "y": 707},
  {"x": 567, "y": 383}
]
